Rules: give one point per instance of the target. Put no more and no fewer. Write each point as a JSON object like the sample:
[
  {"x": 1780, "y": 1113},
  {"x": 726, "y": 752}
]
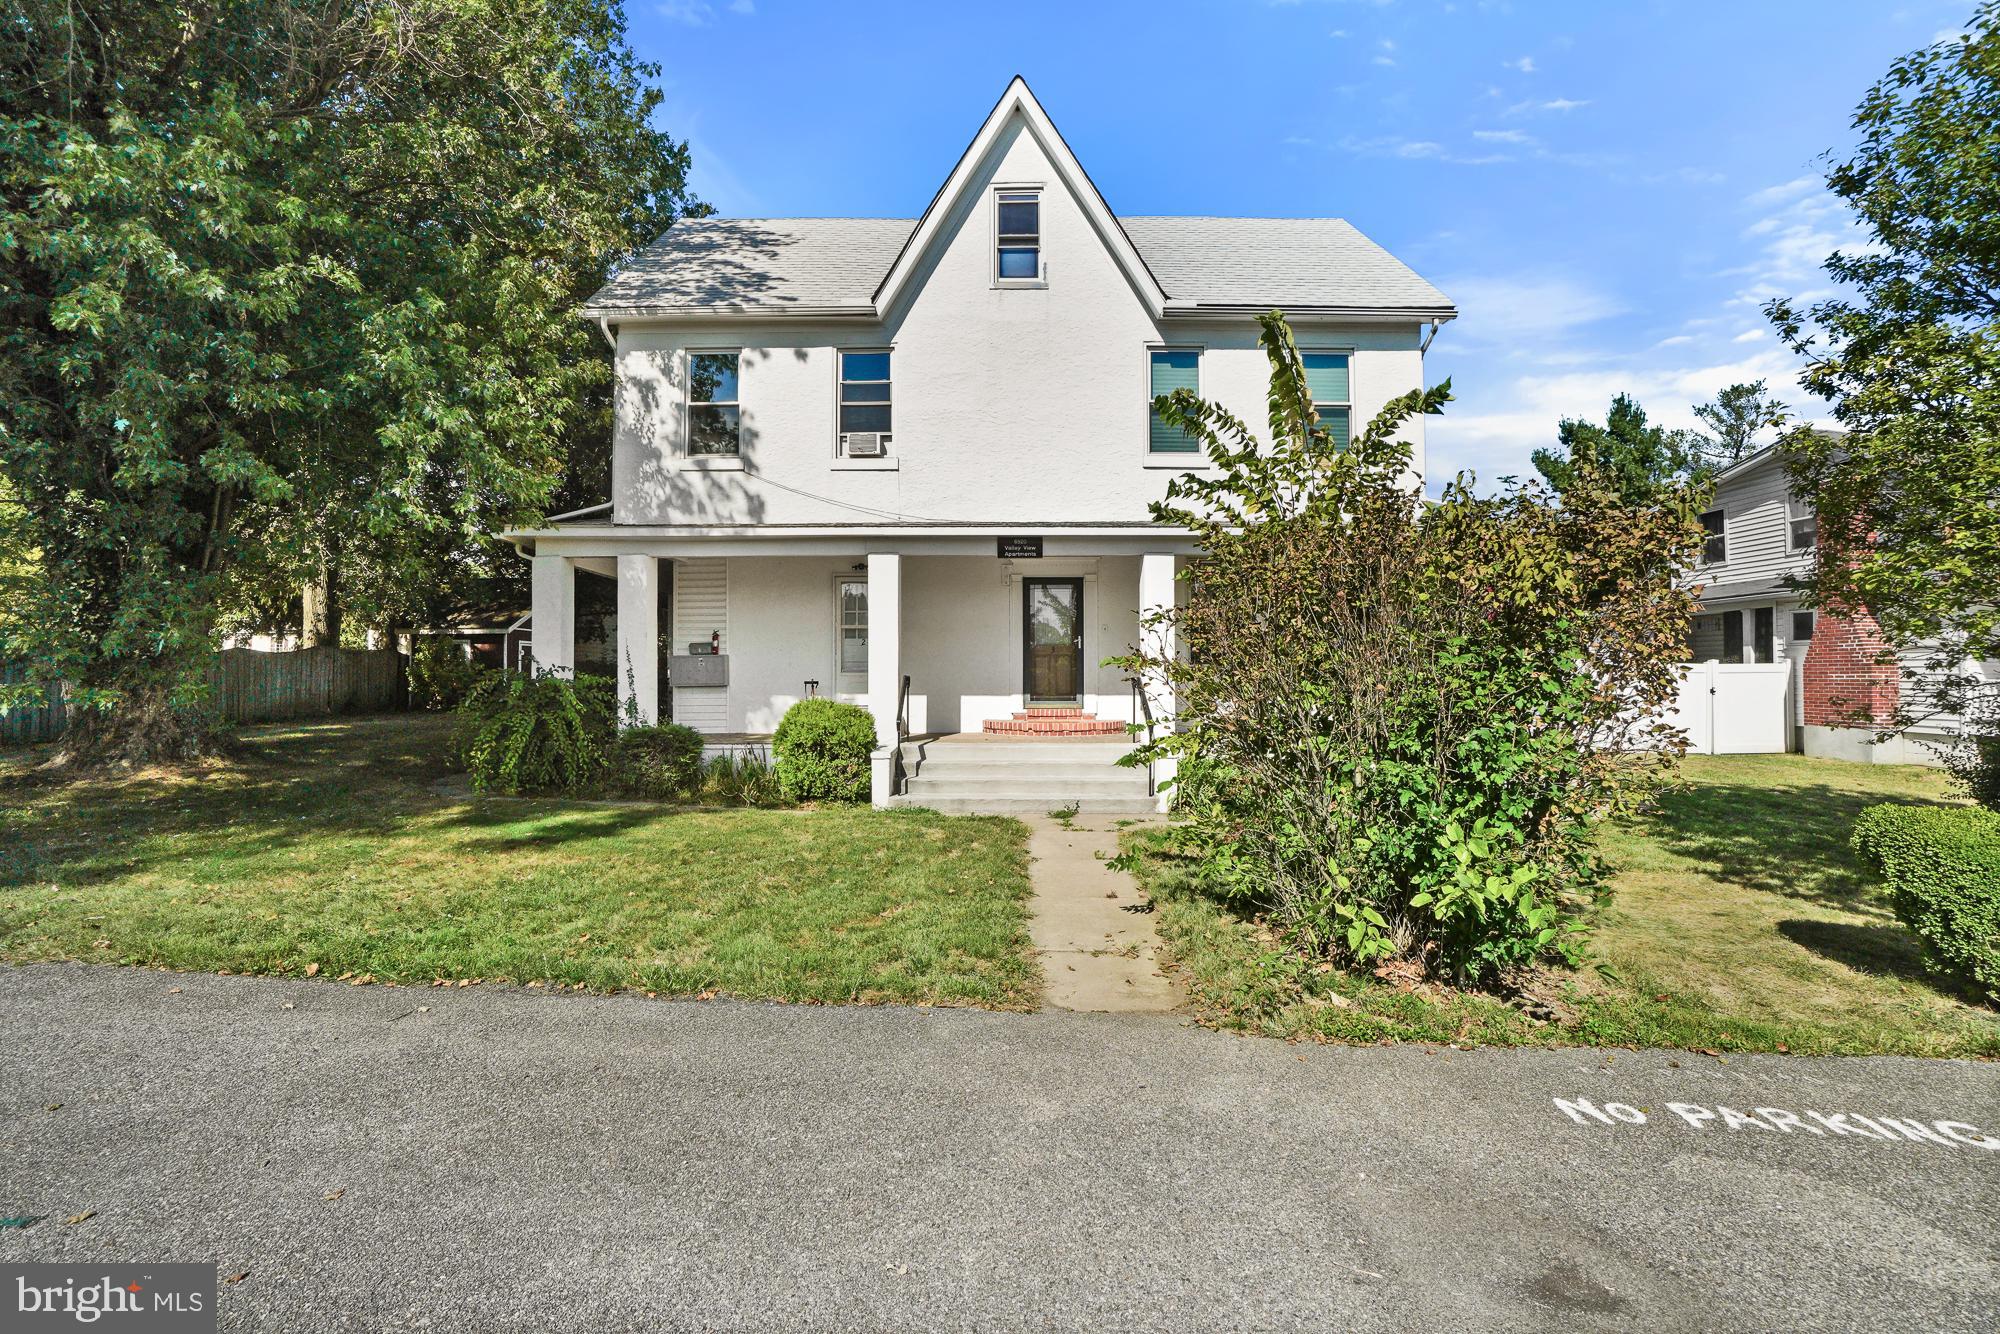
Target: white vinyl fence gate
[{"x": 1734, "y": 708}]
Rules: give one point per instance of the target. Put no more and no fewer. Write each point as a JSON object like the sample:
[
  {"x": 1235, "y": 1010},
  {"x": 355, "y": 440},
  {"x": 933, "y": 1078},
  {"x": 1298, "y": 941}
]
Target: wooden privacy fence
[{"x": 250, "y": 686}]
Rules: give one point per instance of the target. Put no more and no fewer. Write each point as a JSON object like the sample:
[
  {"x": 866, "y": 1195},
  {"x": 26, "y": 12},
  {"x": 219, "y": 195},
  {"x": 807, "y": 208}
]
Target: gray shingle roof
[
  {"x": 805, "y": 264},
  {"x": 1264, "y": 262}
]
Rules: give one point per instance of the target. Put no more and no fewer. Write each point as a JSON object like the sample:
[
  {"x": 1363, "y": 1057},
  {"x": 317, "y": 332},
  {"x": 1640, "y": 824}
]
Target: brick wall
[{"x": 1844, "y": 685}]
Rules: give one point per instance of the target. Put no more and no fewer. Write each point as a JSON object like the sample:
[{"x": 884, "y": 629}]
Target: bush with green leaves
[
  {"x": 823, "y": 748},
  {"x": 1943, "y": 868},
  {"x": 536, "y": 732},
  {"x": 1398, "y": 721},
  {"x": 441, "y": 675},
  {"x": 662, "y": 763}
]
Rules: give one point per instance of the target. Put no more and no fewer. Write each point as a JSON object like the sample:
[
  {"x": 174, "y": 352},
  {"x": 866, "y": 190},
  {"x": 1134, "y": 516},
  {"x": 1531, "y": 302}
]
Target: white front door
[{"x": 851, "y": 638}]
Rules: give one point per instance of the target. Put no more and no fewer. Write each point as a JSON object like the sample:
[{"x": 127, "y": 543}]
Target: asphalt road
[{"x": 510, "y": 1160}]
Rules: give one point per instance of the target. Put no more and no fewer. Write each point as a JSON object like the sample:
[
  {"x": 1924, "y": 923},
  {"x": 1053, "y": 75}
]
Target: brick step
[
  {"x": 1054, "y": 727},
  {"x": 1039, "y": 712}
]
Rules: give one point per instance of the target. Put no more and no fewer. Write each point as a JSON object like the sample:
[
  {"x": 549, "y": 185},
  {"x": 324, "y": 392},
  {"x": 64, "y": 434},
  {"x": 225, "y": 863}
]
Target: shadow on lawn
[
  {"x": 1878, "y": 949},
  {"x": 1790, "y": 840}
]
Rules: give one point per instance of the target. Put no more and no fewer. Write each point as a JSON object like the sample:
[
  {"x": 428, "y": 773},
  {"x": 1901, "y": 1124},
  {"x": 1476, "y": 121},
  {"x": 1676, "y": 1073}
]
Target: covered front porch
[{"x": 936, "y": 631}]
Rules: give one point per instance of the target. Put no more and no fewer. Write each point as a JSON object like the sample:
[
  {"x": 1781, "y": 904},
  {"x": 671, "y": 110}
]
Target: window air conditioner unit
[{"x": 865, "y": 444}]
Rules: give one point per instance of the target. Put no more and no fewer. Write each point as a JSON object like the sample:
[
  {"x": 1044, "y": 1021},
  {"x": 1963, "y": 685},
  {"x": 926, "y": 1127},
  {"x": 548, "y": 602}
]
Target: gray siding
[{"x": 1756, "y": 528}]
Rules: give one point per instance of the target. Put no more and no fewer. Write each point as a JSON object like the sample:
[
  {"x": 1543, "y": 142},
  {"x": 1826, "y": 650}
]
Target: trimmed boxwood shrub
[
  {"x": 521, "y": 732},
  {"x": 1943, "y": 868},
  {"x": 822, "y": 748},
  {"x": 663, "y": 763}
]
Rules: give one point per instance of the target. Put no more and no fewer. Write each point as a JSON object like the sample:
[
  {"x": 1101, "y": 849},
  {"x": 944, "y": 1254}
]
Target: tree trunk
[
  {"x": 145, "y": 728},
  {"x": 321, "y": 605}
]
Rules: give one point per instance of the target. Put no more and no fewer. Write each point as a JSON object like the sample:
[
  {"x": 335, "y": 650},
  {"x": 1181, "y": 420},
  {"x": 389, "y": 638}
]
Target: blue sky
[{"x": 1609, "y": 191}]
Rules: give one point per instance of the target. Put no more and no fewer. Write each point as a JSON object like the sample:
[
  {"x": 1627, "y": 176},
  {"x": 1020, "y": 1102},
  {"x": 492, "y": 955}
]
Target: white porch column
[
  {"x": 638, "y": 639},
  {"x": 553, "y": 629},
  {"x": 885, "y": 664},
  {"x": 1156, "y": 594}
]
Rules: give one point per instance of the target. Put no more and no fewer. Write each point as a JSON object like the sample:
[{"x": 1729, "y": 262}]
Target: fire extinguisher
[{"x": 715, "y": 641}]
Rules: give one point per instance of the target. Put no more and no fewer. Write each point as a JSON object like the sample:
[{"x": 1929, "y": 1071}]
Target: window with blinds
[
  {"x": 1173, "y": 368},
  {"x": 1326, "y": 376}
]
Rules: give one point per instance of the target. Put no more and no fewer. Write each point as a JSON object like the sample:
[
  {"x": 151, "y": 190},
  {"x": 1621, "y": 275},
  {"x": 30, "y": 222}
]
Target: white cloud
[
  {"x": 1772, "y": 195},
  {"x": 1517, "y": 311},
  {"x": 1388, "y": 61},
  {"x": 1526, "y": 64},
  {"x": 1415, "y": 150},
  {"x": 1503, "y": 136},
  {"x": 1749, "y": 336},
  {"x": 692, "y": 13},
  {"x": 1559, "y": 105},
  {"x": 1504, "y": 420},
  {"x": 1676, "y": 340}
]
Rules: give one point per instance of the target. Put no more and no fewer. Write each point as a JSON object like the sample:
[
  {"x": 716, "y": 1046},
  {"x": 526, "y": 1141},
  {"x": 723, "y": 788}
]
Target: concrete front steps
[
  {"x": 992, "y": 775},
  {"x": 1053, "y": 722}
]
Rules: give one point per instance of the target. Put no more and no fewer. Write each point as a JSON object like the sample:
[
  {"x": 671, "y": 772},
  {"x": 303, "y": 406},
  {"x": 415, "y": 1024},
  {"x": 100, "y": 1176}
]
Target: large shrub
[
  {"x": 822, "y": 747},
  {"x": 1943, "y": 868},
  {"x": 529, "y": 732},
  {"x": 663, "y": 762},
  {"x": 1399, "y": 721},
  {"x": 441, "y": 675}
]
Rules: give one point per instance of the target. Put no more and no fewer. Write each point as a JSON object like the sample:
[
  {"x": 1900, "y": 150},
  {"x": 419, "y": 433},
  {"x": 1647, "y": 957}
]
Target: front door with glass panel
[
  {"x": 851, "y": 648},
  {"x": 1054, "y": 634}
]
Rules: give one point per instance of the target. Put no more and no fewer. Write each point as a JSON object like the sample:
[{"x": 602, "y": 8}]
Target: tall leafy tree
[
  {"x": 1735, "y": 418},
  {"x": 1641, "y": 460},
  {"x": 279, "y": 276},
  {"x": 1908, "y": 497}
]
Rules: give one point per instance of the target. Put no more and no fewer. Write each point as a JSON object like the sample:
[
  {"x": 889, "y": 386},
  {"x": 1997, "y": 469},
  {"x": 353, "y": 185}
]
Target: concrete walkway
[{"x": 1091, "y": 925}]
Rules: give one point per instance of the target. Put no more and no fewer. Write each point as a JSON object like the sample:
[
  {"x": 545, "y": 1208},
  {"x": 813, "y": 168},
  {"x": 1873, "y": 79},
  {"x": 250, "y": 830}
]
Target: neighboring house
[
  {"x": 907, "y": 462},
  {"x": 1761, "y": 540}
]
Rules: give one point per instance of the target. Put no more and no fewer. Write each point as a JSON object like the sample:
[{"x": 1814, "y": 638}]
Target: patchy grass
[
  {"x": 1740, "y": 921},
  {"x": 330, "y": 847}
]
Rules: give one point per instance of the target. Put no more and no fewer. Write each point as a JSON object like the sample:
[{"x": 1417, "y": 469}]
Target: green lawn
[
  {"x": 1740, "y": 921},
  {"x": 327, "y": 849}
]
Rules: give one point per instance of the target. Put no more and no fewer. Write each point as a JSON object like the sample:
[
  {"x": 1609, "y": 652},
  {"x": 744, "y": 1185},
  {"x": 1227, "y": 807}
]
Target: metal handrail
[{"x": 902, "y": 781}]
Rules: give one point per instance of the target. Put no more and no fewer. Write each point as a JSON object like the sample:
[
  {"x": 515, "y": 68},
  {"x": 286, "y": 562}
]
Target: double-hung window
[
  {"x": 1018, "y": 229},
  {"x": 1805, "y": 530},
  {"x": 1714, "y": 545},
  {"x": 715, "y": 415},
  {"x": 865, "y": 420},
  {"x": 1173, "y": 368},
  {"x": 1326, "y": 376}
]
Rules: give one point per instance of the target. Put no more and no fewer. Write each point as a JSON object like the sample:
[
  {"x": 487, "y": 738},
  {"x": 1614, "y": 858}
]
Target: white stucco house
[{"x": 907, "y": 462}]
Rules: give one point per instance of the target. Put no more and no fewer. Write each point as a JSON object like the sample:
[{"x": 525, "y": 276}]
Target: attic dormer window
[{"x": 1019, "y": 232}]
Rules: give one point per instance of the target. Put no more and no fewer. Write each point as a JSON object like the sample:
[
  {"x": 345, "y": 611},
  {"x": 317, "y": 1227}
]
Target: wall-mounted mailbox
[{"x": 686, "y": 671}]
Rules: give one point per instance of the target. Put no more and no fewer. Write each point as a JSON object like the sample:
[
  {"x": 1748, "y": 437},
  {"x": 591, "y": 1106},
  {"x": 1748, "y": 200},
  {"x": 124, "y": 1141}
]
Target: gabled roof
[
  {"x": 1018, "y": 102},
  {"x": 863, "y": 266}
]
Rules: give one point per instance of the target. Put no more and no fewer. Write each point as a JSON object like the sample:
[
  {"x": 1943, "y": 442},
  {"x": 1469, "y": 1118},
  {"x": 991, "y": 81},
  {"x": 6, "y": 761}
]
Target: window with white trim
[
  {"x": 1804, "y": 529},
  {"x": 865, "y": 407},
  {"x": 1327, "y": 377},
  {"x": 1173, "y": 368},
  {"x": 715, "y": 414},
  {"x": 1018, "y": 234}
]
